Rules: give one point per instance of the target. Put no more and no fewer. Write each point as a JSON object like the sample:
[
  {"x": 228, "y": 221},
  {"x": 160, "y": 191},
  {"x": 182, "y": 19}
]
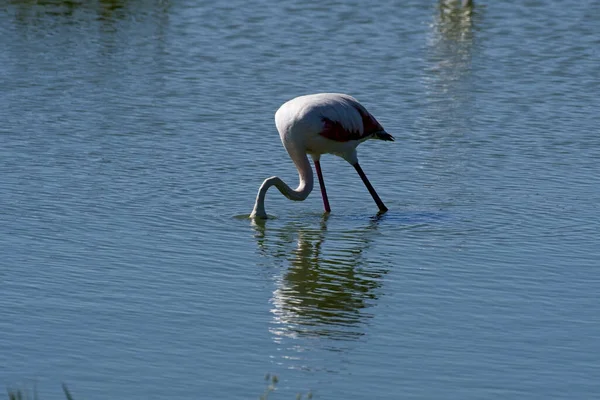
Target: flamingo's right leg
[{"x": 382, "y": 207}]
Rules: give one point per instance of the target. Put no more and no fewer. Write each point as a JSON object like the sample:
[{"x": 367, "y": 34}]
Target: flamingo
[{"x": 316, "y": 124}]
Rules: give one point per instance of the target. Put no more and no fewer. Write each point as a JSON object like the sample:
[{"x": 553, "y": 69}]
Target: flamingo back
[{"x": 336, "y": 116}]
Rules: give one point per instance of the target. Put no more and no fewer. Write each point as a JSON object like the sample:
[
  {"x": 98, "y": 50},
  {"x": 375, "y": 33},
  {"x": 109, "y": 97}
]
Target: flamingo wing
[{"x": 349, "y": 120}]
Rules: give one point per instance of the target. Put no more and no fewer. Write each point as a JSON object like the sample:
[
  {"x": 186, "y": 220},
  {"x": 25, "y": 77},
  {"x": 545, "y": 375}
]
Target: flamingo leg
[
  {"x": 382, "y": 207},
  {"x": 322, "y": 185}
]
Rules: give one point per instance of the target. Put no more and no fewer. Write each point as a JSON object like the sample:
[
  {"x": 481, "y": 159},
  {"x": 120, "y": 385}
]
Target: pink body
[
  {"x": 325, "y": 123},
  {"x": 318, "y": 124}
]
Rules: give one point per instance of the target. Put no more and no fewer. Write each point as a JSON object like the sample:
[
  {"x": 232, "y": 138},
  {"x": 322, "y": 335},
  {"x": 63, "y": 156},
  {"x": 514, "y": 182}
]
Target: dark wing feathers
[
  {"x": 334, "y": 130},
  {"x": 383, "y": 135}
]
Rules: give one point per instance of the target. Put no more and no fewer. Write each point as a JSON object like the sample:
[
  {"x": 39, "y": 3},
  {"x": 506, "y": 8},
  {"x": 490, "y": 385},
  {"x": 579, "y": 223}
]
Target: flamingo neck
[{"x": 304, "y": 188}]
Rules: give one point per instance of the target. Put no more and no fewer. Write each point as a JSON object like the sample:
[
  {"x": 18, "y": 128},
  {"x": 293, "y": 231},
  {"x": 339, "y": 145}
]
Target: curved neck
[{"x": 304, "y": 188}]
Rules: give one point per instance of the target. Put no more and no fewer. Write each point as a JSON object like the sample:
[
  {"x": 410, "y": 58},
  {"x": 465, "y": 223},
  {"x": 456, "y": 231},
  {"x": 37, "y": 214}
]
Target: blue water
[{"x": 135, "y": 135}]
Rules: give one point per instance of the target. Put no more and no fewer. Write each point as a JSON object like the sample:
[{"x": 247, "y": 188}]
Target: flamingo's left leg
[{"x": 322, "y": 184}]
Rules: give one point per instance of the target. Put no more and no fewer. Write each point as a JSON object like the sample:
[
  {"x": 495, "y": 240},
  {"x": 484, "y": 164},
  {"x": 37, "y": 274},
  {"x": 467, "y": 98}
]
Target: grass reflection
[
  {"x": 30, "y": 11},
  {"x": 452, "y": 40}
]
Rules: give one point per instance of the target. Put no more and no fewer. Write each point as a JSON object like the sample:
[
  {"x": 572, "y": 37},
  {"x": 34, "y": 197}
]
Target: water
[{"x": 135, "y": 135}]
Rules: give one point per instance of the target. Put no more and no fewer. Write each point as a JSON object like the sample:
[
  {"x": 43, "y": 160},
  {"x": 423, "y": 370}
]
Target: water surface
[{"x": 135, "y": 133}]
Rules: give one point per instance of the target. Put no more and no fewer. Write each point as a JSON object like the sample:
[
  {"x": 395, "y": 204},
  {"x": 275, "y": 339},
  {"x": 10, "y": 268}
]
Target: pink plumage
[{"x": 319, "y": 124}]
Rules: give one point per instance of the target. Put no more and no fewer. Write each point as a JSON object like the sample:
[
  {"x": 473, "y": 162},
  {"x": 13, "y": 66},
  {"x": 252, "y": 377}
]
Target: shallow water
[{"x": 136, "y": 133}]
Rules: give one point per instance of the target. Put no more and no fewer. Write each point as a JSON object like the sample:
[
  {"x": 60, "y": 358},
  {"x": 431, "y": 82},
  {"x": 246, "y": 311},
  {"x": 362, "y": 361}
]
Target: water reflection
[
  {"x": 450, "y": 53},
  {"x": 27, "y": 10},
  {"x": 30, "y": 12},
  {"x": 450, "y": 93},
  {"x": 455, "y": 19},
  {"x": 328, "y": 281}
]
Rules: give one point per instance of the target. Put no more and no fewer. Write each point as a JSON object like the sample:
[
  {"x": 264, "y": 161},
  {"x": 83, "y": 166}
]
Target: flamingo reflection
[{"x": 328, "y": 282}]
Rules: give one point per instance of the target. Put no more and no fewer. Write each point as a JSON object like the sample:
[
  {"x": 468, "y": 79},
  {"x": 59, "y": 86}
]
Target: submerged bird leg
[
  {"x": 322, "y": 184},
  {"x": 362, "y": 175}
]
